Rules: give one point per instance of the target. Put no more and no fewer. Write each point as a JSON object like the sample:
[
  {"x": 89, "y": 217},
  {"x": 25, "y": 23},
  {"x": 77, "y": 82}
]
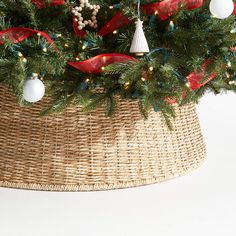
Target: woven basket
[{"x": 84, "y": 152}]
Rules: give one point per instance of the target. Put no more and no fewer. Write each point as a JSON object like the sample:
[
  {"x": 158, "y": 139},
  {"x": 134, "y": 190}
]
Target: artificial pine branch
[{"x": 195, "y": 38}]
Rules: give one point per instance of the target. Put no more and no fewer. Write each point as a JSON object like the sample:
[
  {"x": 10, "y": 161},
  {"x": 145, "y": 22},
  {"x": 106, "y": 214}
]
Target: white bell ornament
[{"x": 139, "y": 44}]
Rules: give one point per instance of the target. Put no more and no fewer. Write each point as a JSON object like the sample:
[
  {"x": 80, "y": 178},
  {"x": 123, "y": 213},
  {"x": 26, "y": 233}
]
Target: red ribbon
[
  {"x": 167, "y": 8},
  {"x": 96, "y": 64},
  {"x": 91, "y": 66},
  {"x": 18, "y": 34},
  {"x": 195, "y": 78},
  {"x": 234, "y": 13},
  {"x": 118, "y": 21},
  {"x": 41, "y": 3},
  {"x": 80, "y": 33},
  {"x": 164, "y": 9}
]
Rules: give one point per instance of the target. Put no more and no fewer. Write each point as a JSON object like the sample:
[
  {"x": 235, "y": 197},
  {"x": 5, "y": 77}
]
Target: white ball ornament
[
  {"x": 221, "y": 9},
  {"x": 33, "y": 90}
]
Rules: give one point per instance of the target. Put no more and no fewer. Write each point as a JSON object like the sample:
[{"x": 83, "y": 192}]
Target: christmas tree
[{"x": 91, "y": 51}]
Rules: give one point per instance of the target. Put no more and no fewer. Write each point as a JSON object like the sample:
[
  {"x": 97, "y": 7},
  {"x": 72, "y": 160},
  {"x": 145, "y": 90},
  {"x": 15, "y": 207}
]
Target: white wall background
[{"x": 202, "y": 203}]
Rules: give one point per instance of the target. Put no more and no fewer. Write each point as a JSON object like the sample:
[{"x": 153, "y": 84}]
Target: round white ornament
[
  {"x": 221, "y": 9},
  {"x": 33, "y": 90}
]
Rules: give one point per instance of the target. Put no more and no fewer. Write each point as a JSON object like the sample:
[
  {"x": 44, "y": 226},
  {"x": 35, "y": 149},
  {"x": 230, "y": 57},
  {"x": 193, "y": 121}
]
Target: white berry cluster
[{"x": 77, "y": 12}]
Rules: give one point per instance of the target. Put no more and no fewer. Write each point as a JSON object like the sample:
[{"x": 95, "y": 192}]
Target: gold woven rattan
[{"x": 73, "y": 151}]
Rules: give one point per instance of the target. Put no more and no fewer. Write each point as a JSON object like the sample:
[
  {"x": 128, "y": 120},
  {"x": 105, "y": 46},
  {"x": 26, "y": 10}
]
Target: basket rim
[{"x": 97, "y": 187}]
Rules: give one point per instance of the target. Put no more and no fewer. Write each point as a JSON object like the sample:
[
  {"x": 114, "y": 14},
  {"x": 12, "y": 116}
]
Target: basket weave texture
[{"x": 73, "y": 151}]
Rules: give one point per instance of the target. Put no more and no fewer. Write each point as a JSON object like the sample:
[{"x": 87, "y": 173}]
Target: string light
[
  {"x": 87, "y": 80},
  {"x": 156, "y": 12},
  {"x": 151, "y": 68},
  {"x": 102, "y": 68},
  {"x": 229, "y": 64},
  {"x": 24, "y": 60},
  {"x": 115, "y": 32},
  {"x": 111, "y": 7},
  {"x": 83, "y": 47},
  {"x": 77, "y": 58},
  {"x": 232, "y": 82},
  {"x": 39, "y": 35},
  {"x": 45, "y": 49},
  {"x": 188, "y": 84},
  {"x": 171, "y": 26},
  {"x": 59, "y": 35},
  {"x": 126, "y": 85},
  {"x": 66, "y": 45},
  {"x": 35, "y": 75},
  {"x": 227, "y": 75},
  {"x": 20, "y": 54},
  {"x": 143, "y": 79}
]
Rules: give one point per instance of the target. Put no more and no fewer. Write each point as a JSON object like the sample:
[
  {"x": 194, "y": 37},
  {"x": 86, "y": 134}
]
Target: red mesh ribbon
[
  {"x": 195, "y": 78},
  {"x": 166, "y": 8},
  {"x": 95, "y": 65},
  {"x": 17, "y": 34},
  {"x": 80, "y": 33},
  {"x": 118, "y": 21},
  {"x": 41, "y": 3}
]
